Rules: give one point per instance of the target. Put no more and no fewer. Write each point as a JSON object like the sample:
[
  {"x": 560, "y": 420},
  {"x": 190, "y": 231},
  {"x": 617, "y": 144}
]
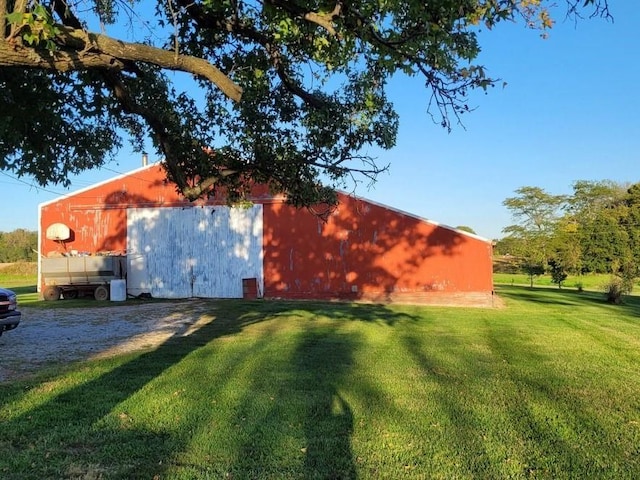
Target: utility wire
[
  {"x": 30, "y": 185},
  {"x": 79, "y": 184}
]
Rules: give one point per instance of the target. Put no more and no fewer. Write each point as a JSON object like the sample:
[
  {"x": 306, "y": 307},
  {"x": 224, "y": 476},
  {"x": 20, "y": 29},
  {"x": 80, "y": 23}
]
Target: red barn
[{"x": 177, "y": 249}]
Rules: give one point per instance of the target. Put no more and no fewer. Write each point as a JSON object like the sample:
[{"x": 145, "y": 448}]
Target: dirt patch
[{"x": 49, "y": 337}]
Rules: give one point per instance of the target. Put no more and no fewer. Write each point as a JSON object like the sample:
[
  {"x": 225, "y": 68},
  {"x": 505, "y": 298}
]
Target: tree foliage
[
  {"x": 467, "y": 229},
  {"x": 535, "y": 210},
  {"x": 596, "y": 229},
  {"x": 18, "y": 246},
  {"x": 558, "y": 272},
  {"x": 536, "y": 213},
  {"x": 286, "y": 92}
]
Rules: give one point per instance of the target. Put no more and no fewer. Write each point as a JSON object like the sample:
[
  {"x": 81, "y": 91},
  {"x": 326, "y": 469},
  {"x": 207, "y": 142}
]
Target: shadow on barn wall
[
  {"x": 367, "y": 252},
  {"x": 115, "y": 239},
  {"x": 363, "y": 251}
]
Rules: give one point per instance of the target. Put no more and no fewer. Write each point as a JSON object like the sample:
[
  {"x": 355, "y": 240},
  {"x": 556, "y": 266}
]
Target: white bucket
[{"x": 118, "y": 290}]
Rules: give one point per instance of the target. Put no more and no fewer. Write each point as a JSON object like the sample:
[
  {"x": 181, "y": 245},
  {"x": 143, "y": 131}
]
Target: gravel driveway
[{"x": 46, "y": 337}]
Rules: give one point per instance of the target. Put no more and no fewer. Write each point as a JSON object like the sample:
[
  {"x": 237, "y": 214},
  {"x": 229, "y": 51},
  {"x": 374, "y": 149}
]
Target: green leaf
[
  {"x": 30, "y": 38},
  {"x": 15, "y": 18}
]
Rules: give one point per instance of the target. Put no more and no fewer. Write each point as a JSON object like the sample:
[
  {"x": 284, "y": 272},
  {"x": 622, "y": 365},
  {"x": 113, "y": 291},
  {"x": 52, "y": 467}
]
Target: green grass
[
  {"x": 594, "y": 282},
  {"x": 22, "y": 278},
  {"x": 546, "y": 387}
]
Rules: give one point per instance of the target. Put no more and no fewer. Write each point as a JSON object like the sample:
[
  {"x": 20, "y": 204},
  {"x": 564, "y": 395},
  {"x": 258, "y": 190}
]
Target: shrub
[
  {"x": 558, "y": 274},
  {"x": 616, "y": 288}
]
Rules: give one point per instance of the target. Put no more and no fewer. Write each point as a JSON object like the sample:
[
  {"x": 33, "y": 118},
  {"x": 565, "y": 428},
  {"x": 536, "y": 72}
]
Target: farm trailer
[{"x": 69, "y": 276}]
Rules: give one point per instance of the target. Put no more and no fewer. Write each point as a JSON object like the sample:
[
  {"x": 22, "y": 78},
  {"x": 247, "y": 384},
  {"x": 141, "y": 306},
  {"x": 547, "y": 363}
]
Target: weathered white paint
[{"x": 193, "y": 252}]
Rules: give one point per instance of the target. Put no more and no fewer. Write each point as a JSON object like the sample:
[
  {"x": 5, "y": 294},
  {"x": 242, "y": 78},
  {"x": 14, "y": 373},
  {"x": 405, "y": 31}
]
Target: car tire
[
  {"x": 101, "y": 293},
  {"x": 51, "y": 293}
]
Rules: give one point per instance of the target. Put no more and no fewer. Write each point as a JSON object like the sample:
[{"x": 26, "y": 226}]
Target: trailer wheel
[
  {"x": 51, "y": 293},
  {"x": 101, "y": 293},
  {"x": 70, "y": 294}
]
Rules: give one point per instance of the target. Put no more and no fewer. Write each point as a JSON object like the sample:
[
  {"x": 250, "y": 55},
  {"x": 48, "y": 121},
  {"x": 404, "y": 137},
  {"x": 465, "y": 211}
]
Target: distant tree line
[
  {"x": 18, "y": 246},
  {"x": 594, "y": 230}
]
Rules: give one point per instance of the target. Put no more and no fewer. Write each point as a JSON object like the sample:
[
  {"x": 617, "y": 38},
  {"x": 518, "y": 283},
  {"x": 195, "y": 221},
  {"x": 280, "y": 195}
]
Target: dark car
[{"x": 9, "y": 314}]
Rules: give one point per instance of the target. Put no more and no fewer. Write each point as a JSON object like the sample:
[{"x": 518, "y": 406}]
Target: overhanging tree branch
[
  {"x": 3, "y": 18},
  {"x": 75, "y": 49},
  {"x": 235, "y": 26},
  {"x": 12, "y": 55},
  {"x": 291, "y": 92},
  {"x": 152, "y": 55}
]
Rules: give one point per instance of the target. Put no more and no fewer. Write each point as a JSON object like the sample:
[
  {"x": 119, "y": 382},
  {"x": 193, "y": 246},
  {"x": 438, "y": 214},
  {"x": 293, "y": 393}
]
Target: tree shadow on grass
[
  {"x": 513, "y": 409},
  {"x": 304, "y": 428},
  {"x": 23, "y": 290},
  {"x": 465, "y": 429},
  {"x": 565, "y": 297},
  {"x": 361, "y": 312},
  {"x": 328, "y": 424},
  {"x": 81, "y": 432},
  {"x": 557, "y": 406}
]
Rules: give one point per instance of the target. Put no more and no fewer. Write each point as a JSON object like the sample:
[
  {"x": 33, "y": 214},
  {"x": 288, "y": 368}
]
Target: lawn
[
  {"x": 22, "y": 278},
  {"x": 594, "y": 282},
  {"x": 546, "y": 387}
]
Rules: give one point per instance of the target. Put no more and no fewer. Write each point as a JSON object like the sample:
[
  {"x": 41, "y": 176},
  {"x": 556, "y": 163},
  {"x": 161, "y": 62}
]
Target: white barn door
[{"x": 193, "y": 252}]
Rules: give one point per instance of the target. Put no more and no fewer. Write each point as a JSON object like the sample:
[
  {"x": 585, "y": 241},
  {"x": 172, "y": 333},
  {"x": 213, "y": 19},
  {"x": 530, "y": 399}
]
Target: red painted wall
[
  {"x": 97, "y": 215},
  {"x": 367, "y": 251},
  {"x": 363, "y": 251}
]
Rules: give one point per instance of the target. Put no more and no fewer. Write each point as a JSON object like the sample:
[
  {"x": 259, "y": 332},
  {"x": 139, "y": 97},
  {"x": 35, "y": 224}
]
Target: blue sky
[{"x": 569, "y": 112}]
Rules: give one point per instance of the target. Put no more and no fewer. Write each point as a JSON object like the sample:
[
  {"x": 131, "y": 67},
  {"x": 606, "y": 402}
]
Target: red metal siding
[
  {"x": 366, "y": 251},
  {"x": 97, "y": 216},
  {"x": 363, "y": 251}
]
